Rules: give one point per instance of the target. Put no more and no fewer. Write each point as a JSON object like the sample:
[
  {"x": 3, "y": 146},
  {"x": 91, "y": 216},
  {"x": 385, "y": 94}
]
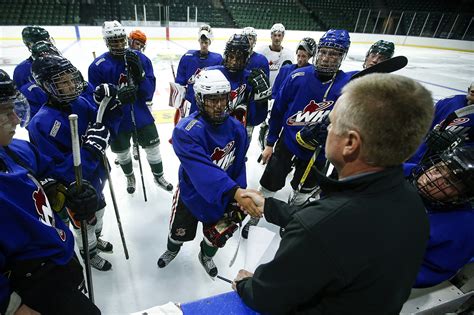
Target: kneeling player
[{"x": 211, "y": 147}]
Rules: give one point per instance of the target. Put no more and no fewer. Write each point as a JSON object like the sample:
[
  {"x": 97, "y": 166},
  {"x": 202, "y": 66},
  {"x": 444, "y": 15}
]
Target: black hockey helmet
[
  {"x": 309, "y": 45},
  {"x": 34, "y": 34},
  {"x": 446, "y": 180},
  {"x": 43, "y": 48},
  {"x": 58, "y": 77},
  {"x": 237, "y": 47},
  {"x": 10, "y": 96}
]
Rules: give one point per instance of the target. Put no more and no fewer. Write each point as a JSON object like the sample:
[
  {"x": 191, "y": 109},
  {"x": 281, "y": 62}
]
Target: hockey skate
[
  {"x": 131, "y": 183},
  {"x": 208, "y": 264},
  {"x": 104, "y": 246},
  {"x": 100, "y": 263},
  {"x": 245, "y": 230},
  {"x": 166, "y": 258},
  {"x": 163, "y": 183}
]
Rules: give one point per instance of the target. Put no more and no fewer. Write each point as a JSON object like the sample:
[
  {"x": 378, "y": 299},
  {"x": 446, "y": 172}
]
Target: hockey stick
[
  {"x": 177, "y": 113},
  {"x": 386, "y": 66},
  {"x": 135, "y": 131},
  {"x": 100, "y": 114},
  {"x": 76, "y": 153},
  {"x": 224, "y": 279},
  {"x": 232, "y": 261}
]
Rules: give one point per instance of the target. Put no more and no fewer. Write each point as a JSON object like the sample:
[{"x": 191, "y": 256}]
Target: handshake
[{"x": 251, "y": 202}]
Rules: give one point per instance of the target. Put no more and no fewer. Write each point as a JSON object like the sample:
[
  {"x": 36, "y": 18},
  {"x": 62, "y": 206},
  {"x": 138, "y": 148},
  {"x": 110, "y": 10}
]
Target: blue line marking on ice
[{"x": 443, "y": 86}]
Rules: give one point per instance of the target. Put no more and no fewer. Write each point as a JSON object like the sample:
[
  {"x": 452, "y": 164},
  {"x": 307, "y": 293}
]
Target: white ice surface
[{"x": 137, "y": 284}]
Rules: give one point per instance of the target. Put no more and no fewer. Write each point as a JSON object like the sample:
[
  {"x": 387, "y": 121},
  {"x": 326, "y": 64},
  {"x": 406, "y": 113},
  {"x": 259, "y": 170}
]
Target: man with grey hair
[{"x": 358, "y": 249}]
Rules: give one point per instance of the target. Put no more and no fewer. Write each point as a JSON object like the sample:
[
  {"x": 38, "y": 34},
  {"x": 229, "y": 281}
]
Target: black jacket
[{"x": 356, "y": 251}]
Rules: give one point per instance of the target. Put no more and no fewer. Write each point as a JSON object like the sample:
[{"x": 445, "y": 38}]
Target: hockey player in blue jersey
[
  {"x": 38, "y": 268},
  {"x": 30, "y": 35},
  {"x": 49, "y": 130},
  {"x": 445, "y": 182},
  {"x": 132, "y": 71},
  {"x": 461, "y": 127},
  {"x": 211, "y": 147},
  {"x": 250, "y": 89},
  {"x": 256, "y": 60},
  {"x": 307, "y": 96},
  {"x": 194, "y": 60}
]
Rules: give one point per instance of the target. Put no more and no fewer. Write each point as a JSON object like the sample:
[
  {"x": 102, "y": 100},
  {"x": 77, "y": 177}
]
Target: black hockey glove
[
  {"x": 127, "y": 94},
  {"x": 260, "y": 85},
  {"x": 82, "y": 205},
  {"x": 312, "y": 135},
  {"x": 220, "y": 232},
  {"x": 262, "y": 135},
  {"x": 234, "y": 213},
  {"x": 97, "y": 139},
  {"x": 108, "y": 90},
  {"x": 56, "y": 193},
  {"x": 134, "y": 66}
]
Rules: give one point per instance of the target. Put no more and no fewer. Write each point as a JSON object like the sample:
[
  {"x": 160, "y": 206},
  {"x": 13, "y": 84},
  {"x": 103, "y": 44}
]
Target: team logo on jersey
[
  {"x": 193, "y": 77},
  {"x": 237, "y": 96},
  {"x": 122, "y": 80},
  {"x": 313, "y": 112},
  {"x": 274, "y": 65},
  {"x": 45, "y": 212},
  {"x": 224, "y": 157}
]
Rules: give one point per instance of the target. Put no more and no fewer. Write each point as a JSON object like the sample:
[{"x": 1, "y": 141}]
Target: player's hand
[
  {"x": 250, "y": 201},
  {"x": 25, "y": 310},
  {"x": 97, "y": 139},
  {"x": 313, "y": 135},
  {"x": 84, "y": 203},
  {"x": 127, "y": 94},
  {"x": 240, "y": 276},
  {"x": 107, "y": 90},
  {"x": 134, "y": 64},
  {"x": 266, "y": 154}
]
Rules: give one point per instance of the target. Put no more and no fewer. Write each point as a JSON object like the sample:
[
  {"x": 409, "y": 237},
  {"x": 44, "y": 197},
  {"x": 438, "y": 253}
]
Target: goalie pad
[{"x": 177, "y": 93}]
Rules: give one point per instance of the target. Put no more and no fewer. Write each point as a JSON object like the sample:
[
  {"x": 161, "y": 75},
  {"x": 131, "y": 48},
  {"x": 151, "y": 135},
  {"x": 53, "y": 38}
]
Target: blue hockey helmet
[
  {"x": 58, "y": 77},
  {"x": 10, "y": 97},
  {"x": 334, "y": 45},
  {"x": 237, "y": 52}
]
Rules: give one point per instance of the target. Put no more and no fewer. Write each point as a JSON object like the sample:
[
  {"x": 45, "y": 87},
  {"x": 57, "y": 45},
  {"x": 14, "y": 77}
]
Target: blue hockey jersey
[
  {"x": 50, "y": 131},
  {"x": 190, "y": 63},
  {"x": 110, "y": 69},
  {"x": 301, "y": 100},
  {"x": 451, "y": 243},
  {"x": 22, "y": 73},
  {"x": 29, "y": 228},
  {"x": 258, "y": 61},
  {"x": 280, "y": 78},
  {"x": 35, "y": 95},
  {"x": 212, "y": 163},
  {"x": 241, "y": 93},
  {"x": 462, "y": 126}
]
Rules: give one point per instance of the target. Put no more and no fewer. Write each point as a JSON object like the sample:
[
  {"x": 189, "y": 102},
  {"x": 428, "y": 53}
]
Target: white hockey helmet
[
  {"x": 206, "y": 31},
  {"x": 249, "y": 31},
  {"x": 211, "y": 84},
  {"x": 115, "y": 37},
  {"x": 278, "y": 27}
]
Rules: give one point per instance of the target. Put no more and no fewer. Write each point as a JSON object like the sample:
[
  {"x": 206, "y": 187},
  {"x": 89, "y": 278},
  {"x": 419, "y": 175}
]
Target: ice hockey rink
[{"x": 138, "y": 284}]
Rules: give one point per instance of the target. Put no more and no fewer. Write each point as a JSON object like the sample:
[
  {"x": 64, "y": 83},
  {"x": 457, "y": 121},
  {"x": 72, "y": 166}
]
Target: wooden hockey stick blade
[{"x": 387, "y": 66}]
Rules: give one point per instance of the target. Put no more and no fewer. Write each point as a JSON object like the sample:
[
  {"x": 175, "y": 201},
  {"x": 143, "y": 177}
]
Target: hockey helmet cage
[
  {"x": 277, "y": 28},
  {"x": 446, "y": 179},
  {"x": 32, "y": 34},
  {"x": 239, "y": 47},
  {"x": 337, "y": 40},
  {"x": 309, "y": 45},
  {"x": 209, "y": 84},
  {"x": 11, "y": 97},
  {"x": 58, "y": 77},
  {"x": 115, "y": 37}
]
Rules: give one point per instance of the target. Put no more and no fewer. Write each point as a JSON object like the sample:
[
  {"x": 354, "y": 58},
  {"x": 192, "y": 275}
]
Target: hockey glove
[
  {"x": 108, "y": 90},
  {"x": 220, "y": 232},
  {"x": 134, "y": 66},
  {"x": 82, "y": 204},
  {"x": 97, "y": 139},
  {"x": 240, "y": 113},
  {"x": 234, "y": 213},
  {"x": 260, "y": 85},
  {"x": 56, "y": 193},
  {"x": 127, "y": 94},
  {"x": 313, "y": 135}
]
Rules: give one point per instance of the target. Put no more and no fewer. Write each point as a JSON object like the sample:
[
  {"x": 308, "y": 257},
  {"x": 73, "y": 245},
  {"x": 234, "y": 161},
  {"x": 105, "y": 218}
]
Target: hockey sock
[
  {"x": 173, "y": 246},
  {"x": 127, "y": 168},
  {"x": 207, "y": 249}
]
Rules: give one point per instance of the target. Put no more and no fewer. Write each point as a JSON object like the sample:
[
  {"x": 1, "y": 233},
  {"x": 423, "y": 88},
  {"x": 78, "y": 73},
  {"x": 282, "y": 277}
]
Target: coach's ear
[{"x": 352, "y": 145}]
